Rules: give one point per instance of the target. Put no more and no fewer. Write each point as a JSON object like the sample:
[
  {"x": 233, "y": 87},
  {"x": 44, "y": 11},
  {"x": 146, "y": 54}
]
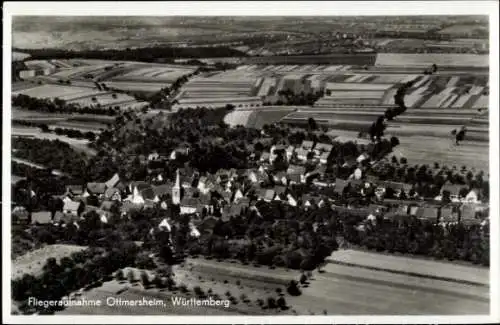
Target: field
[
  {"x": 426, "y": 60},
  {"x": 351, "y": 283},
  {"x": 33, "y": 262},
  {"x": 80, "y": 145}
]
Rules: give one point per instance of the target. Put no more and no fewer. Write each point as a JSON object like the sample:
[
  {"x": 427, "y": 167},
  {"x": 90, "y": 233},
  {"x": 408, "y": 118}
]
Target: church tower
[{"x": 176, "y": 190}]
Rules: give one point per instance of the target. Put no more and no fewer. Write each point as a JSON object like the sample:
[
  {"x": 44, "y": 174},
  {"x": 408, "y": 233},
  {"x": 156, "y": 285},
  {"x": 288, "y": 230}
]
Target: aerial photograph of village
[{"x": 244, "y": 165}]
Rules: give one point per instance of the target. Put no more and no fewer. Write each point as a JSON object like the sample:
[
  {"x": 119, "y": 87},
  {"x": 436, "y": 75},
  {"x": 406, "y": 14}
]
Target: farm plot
[
  {"x": 137, "y": 86},
  {"x": 33, "y": 262},
  {"x": 53, "y": 91},
  {"x": 80, "y": 145},
  {"x": 426, "y": 60},
  {"x": 19, "y": 56},
  {"x": 345, "y": 290}
]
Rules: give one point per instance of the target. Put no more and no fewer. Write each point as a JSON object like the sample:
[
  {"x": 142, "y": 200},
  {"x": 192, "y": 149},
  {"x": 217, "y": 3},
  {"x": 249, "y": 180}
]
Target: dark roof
[
  {"x": 447, "y": 215},
  {"x": 106, "y": 205},
  {"x": 340, "y": 184},
  {"x": 397, "y": 186},
  {"x": 148, "y": 193},
  {"x": 453, "y": 189},
  {"x": 75, "y": 189},
  {"x": 468, "y": 212},
  {"x": 162, "y": 189},
  {"x": 279, "y": 189},
  {"x": 428, "y": 213},
  {"x": 232, "y": 210},
  {"x": 96, "y": 188},
  {"x": 294, "y": 177},
  {"x": 296, "y": 169},
  {"x": 190, "y": 202}
]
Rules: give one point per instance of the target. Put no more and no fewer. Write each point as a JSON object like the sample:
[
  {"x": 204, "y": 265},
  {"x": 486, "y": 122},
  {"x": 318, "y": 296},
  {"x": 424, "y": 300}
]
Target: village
[{"x": 227, "y": 192}]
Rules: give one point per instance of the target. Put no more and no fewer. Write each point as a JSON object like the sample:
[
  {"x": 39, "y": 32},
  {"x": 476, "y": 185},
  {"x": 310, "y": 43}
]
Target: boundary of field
[
  {"x": 414, "y": 274},
  {"x": 405, "y": 286}
]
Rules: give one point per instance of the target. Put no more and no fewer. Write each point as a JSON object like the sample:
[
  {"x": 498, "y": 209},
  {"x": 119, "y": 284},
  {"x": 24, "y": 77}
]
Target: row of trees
[
  {"x": 145, "y": 54},
  {"x": 57, "y": 105}
]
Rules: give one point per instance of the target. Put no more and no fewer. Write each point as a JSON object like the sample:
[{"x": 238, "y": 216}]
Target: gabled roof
[
  {"x": 71, "y": 206},
  {"x": 323, "y": 147},
  {"x": 294, "y": 177},
  {"x": 190, "y": 202},
  {"x": 75, "y": 189},
  {"x": 141, "y": 185},
  {"x": 113, "y": 181},
  {"x": 454, "y": 189},
  {"x": 110, "y": 192},
  {"x": 397, "y": 186},
  {"x": 428, "y": 213},
  {"x": 307, "y": 144},
  {"x": 163, "y": 189},
  {"x": 232, "y": 210},
  {"x": 296, "y": 169},
  {"x": 41, "y": 217},
  {"x": 148, "y": 193},
  {"x": 468, "y": 212},
  {"x": 96, "y": 188},
  {"x": 107, "y": 205},
  {"x": 279, "y": 190},
  {"x": 340, "y": 184},
  {"x": 269, "y": 194}
]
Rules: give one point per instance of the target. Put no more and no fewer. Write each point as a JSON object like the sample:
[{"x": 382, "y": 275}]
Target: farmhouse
[{"x": 73, "y": 208}]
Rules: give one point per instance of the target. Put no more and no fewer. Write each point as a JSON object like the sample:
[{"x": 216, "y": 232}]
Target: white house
[
  {"x": 472, "y": 197},
  {"x": 238, "y": 195},
  {"x": 291, "y": 200},
  {"x": 136, "y": 197},
  {"x": 164, "y": 225}
]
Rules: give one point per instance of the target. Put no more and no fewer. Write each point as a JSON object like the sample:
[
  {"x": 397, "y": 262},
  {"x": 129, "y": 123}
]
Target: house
[
  {"x": 268, "y": 195},
  {"x": 397, "y": 187},
  {"x": 429, "y": 213},
  {"x": 153, "y": 156},
  {"x": 113, "y": 181},
  {"x": 302, "y": 154},
  {"x": 289, "y": 152},
  {"x": 453, "y": 189},
  {"x": 112, "y": 194},
  {"x": 474, "y": 196},
  {"x": 233, "y": 210},
  {"x": 323, "y": 148},
  {"x": 413, "y": 210},
  {"x": 291, "y": 200},
  {"x": 361, "y": 158},
  {"x": 340, "y": 185},
  {"x": 73, "y": 207},
  {"x": 207, "y": 225},
  {"x": 265, "y": 157},
  {"x": 107, "y": 205},
  {"x": 307, "y": 145},
  {"x": 323, "y": 157},
  {"x": 238, "y": 195},
  {"x": 75, "y": 190},
  {"x": 189, "y": 205},
  {"x": 467, "y": 212},
  {"x": 41, "y": 217},
  {"x": 184, "y": 151},
  {"x": 280, "y": 178},
  {"x": 96, "y": 189},
  {"x": 161, "y": 191},
  {"x": 448, "y": 215}
]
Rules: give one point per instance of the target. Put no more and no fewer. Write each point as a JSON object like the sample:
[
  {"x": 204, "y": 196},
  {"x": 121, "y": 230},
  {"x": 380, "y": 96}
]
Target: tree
[
  {"x": 131, "y": 276},
  {"x": 311, "y": 122},
  {"x": 293, "y": 289},
  {"x": 119, "y": 275},
  {"x": 145, "y": 279},
  {"x": 271, "y": 303},
  {"x": 281, "y": 302},
  {"x": 303, "y": 278}
]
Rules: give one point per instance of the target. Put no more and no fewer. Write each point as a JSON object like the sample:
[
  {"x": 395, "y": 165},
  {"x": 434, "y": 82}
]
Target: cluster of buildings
[{"x": 229, "y": 192}]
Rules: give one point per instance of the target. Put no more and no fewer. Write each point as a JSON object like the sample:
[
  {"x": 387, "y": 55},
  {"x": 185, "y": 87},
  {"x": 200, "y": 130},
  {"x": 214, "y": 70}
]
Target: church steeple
[{"x": 176, "y": 190}]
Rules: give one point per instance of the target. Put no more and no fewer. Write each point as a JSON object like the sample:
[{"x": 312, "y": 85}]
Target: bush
[
  {"x": 303, "y": 278},
  {"x": 293, "y": 289},
  {"x": 271, "y": 303},
  {"x": 145, "y": 279}
]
